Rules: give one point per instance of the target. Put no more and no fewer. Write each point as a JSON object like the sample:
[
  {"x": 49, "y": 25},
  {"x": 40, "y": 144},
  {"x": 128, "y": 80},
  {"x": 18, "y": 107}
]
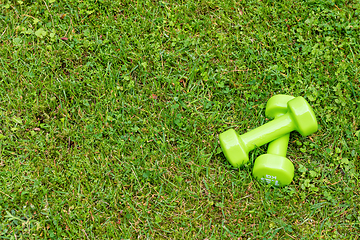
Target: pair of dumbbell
[{"x": 289, "y": 113}]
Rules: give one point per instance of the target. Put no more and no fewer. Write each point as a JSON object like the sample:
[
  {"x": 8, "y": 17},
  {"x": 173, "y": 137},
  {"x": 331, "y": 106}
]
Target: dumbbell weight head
[
  {"x": 273, "y": 169},
  {"x": 233, "y": 148},
  {"x": 303, "y": 116},
  {"x": 277, "y": 106}
]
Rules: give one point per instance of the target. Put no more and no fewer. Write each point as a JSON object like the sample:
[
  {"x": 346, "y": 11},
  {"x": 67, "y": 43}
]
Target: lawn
[{"x": 110, "y": 113}]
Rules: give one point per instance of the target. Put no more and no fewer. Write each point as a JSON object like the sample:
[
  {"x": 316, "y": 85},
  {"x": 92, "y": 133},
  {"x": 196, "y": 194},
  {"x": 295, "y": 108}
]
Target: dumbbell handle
[
  {"x": 268, "y": 132},
  {"x": 279, "y": 146}
]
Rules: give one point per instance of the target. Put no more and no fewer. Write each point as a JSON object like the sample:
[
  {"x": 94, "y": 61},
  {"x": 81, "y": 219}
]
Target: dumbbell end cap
[
  {"x": 303, "y": 116},
  {"x": 233, "y": 148},
  {"x": 277, "y": 105},
  {"x": 273, "y": 169}
]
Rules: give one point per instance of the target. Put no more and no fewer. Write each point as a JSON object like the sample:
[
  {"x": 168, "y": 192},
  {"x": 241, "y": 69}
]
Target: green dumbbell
[
  {"x": 273, "y": 167},
  {"x": 299, "y": 117}
]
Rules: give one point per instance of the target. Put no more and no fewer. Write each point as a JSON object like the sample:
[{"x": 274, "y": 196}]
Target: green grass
[{"x": 110, "y": 113}]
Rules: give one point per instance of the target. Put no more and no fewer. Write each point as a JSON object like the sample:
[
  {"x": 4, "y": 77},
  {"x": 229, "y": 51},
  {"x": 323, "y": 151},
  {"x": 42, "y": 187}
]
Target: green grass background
[{"x": 110, "y": 113}]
